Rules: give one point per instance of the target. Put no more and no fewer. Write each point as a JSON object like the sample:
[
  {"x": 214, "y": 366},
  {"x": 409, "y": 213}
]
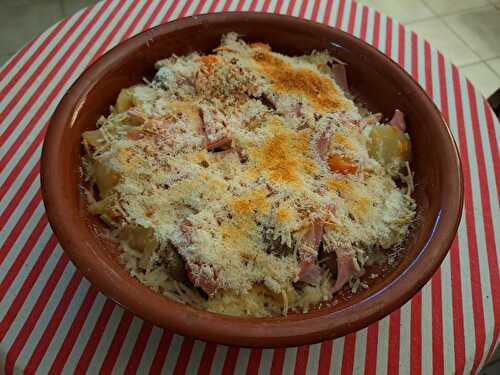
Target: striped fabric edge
[{"x": 474, "y": 131}]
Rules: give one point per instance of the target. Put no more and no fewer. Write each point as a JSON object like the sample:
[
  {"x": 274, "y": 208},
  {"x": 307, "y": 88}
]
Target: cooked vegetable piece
[
  {"x": 389, "y": 146},
  {"x": 124, "y": 101},
  {"x": 342, "y": 164}
]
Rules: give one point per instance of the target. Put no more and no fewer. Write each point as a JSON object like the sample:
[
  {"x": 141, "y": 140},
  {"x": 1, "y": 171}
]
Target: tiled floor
[{"x": 466, "y": 31}]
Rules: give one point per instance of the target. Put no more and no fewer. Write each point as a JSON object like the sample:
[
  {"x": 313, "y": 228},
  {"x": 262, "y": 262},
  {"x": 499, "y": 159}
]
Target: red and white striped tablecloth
[{"x": 53, "y": 321}]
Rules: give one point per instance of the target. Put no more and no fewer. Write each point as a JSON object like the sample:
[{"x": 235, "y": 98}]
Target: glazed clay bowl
[{"x": 374, "y": 79}]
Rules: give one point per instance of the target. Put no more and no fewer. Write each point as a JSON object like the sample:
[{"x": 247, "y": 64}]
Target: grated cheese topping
[{"x": 232, "y": 179}]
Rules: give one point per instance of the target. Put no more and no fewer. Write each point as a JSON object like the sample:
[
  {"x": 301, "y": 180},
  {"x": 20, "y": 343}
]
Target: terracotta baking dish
[{"x": 374, "y": 79}]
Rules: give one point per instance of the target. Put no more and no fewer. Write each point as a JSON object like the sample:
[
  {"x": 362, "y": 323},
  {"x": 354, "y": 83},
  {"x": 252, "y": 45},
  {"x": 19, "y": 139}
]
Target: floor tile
[
  {"x": 480, "y": 29},
  {"x": 4, "y": 58},
  {"x": 443, "y": 38},
  {"x": 482, "y": 77},
  {"x": 443, "y": 7},
  {"x": 402, "y": 10},
  {"x": 19, "y": 24},
  {"x": 72, "y": 6},
  {"x": 495, "y": 65}
]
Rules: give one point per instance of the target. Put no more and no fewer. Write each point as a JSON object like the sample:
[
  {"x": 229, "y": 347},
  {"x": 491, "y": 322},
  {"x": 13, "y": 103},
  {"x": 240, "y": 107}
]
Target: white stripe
[
  {"x": 161, "y": 13},
  {"x": 369, "y": 25},
  {"x": 31, "y": 299},
  {"x": 337, "y": 355},
  {"x": 84, "y": 335},
  {"x": 233, "y": 6},
  {"x": 272, "y": 6},
  {"x": 309, "y": 9},
  {"x": 313, "y": 360},
  {"x": 20, "y": 278},
  {"x": 105, "y": 340},
  {"x": 289, "y": 362},
  {"x": 383, "y": 346},
  {"x": 41, "y": 60},
  {"x": 64, "y": 325},
  {"x": 447, "y": 316},
  {"x": 207, "y": 5},
  {"x": 395, "y": 41},
  {"x": 345, "y": 16},
  {"x": 150, "y": 350},
  {"x": 469, "y": 332},
  {"x": 284, "y": 6},
  {"x": 426, "y": 328},
  {"x": 48, "y": 67},
  {"x": 266, "y": 361},
  {"x": 173, "y": 353},
  {"x": 219, "y": 359},
  {"x": 18, "y": 182},
  {"x": 405, "y": 339},
  {"x": 321, "y": 12},
  {"x": 407, "y": 51},
  {"x": 46, "y": 316},
  {"x": 382, "y": 34},
  {"x": 177, "y": 10},
  {"x": 360, "y": 352},
  {"x": 484, "y": 272},
  {"x": 195, "y": 357},
  {"x": 127, "y": 346},
  {"x": 258, "y": 5},
  {"x": 242, "y": 361},
  {"x": 14, "y": 251},
  {"x": 334, "y": 10},
  {"x": 358, "y": 19}
]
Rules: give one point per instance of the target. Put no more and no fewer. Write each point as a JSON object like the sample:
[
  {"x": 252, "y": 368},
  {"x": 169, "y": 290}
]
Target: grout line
[
  {"x": 460, "y": 37},
  {"x": 455, "y": 12}
]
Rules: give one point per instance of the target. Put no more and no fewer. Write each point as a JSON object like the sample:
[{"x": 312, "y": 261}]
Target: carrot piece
[{"x": 342, "y": 164}]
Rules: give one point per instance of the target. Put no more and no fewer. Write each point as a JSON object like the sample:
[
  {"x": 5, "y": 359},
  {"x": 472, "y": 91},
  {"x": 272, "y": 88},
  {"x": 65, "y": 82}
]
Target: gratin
[{"x": 247, "y": 182}]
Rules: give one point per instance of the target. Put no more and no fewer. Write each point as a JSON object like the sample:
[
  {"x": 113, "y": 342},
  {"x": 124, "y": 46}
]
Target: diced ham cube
[{"x": 398, "y": 120}]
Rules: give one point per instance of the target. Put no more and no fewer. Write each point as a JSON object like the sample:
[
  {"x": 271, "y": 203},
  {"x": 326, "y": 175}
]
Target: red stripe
[
  {"x": 371, "y": 349},
  {"x": 416, "y": 334},
  {"x": 437, "y": 325},
  {"x": 32, "y": 79},
  {"x": 401, "y": 45},
  {"x": 14, "y": 235},
  {"x": 301, "y": 360},
  {"x": 116, "y": 345},
  {"x": 28, "y": 63},
  {"x": 486, "y": 204},
  {"x": 213, "y": 6},
  {"x": 302, "y": 10},
  {"x": 252, "y": 6},
  {"x": 112, "y": 34},
  {"x": 254, "y": 361},
  {"x": 231, "y": 359},
  {"x": 340, "y": 14},
  {"x": 200, "y": 6},
  {"x": 138, "y": 350},
  {"x": 394, "y": 342},
  {"x": 95, "y": 336},
  {"x": 35, "y": 313},
  {"x": 135, "y": 22},
  {"x": 364, "y": 23},
  {"x": 184, "y": 355},
  {"x": 49, "y": 99},
  {"x": 278, "y": 360},
  {"x": 376, "y": 30},
  {"x": 58, "y": 315},
  {"x": 428, "y": 69},
  {"x": 352, "y": 18},
  {"x": 265, "y": 7},
  {"x": 21, "y": 296},
  {"x": 154, "y": 14},
  {"x": 328, "y": 12},
  {"x": 314, "y": 15},
  {"x": 414, "y": 56},
  {"x": 325, "y": 357},
  {"x": 477, "y": 305},
  {"x": 291, "y": 5},
  {"x": 161, "y": 353},
  {"x": 21, "y": 258},
  {"x": 348, "y": 356},
  {"x": 277, "y": 8},
  {"x": 455, "y": 275},
  {"x": 388, "y": 37},
  {"x": 207, "y": 358},
  {"x": 7, "y": 68},
  {"x": 240, "y": 4},
  {"x": 72, "y": 335},
  {"x": 492, "y": 140}
]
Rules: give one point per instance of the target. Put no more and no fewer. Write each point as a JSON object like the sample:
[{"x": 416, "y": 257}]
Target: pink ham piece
[
  {"x": 345, "y": 267},
  {"x": 398, "y": 120},
  {"x": 323, "y": 144},
  {"x": 307, "y": 250},
  {"x": 339, "y": 74},
  {"x": 207, "y": 283},
  {"x": 214, "y": 125},
  {"x": 370, "y": 120}
]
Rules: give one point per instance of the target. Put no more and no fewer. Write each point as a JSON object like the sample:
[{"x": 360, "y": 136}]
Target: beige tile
[
  {"x": 480, "y": 29},
  {"x": 402, "y": 10},
  {"x": 72, "y": 6},
  {"x": 495, "y": 65},
  {"x": 443, "y": 7},
  {"x": 482, "y": 77},
  {"x": 19, "y": 24},
  {"x": 444, "y": 39}
]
